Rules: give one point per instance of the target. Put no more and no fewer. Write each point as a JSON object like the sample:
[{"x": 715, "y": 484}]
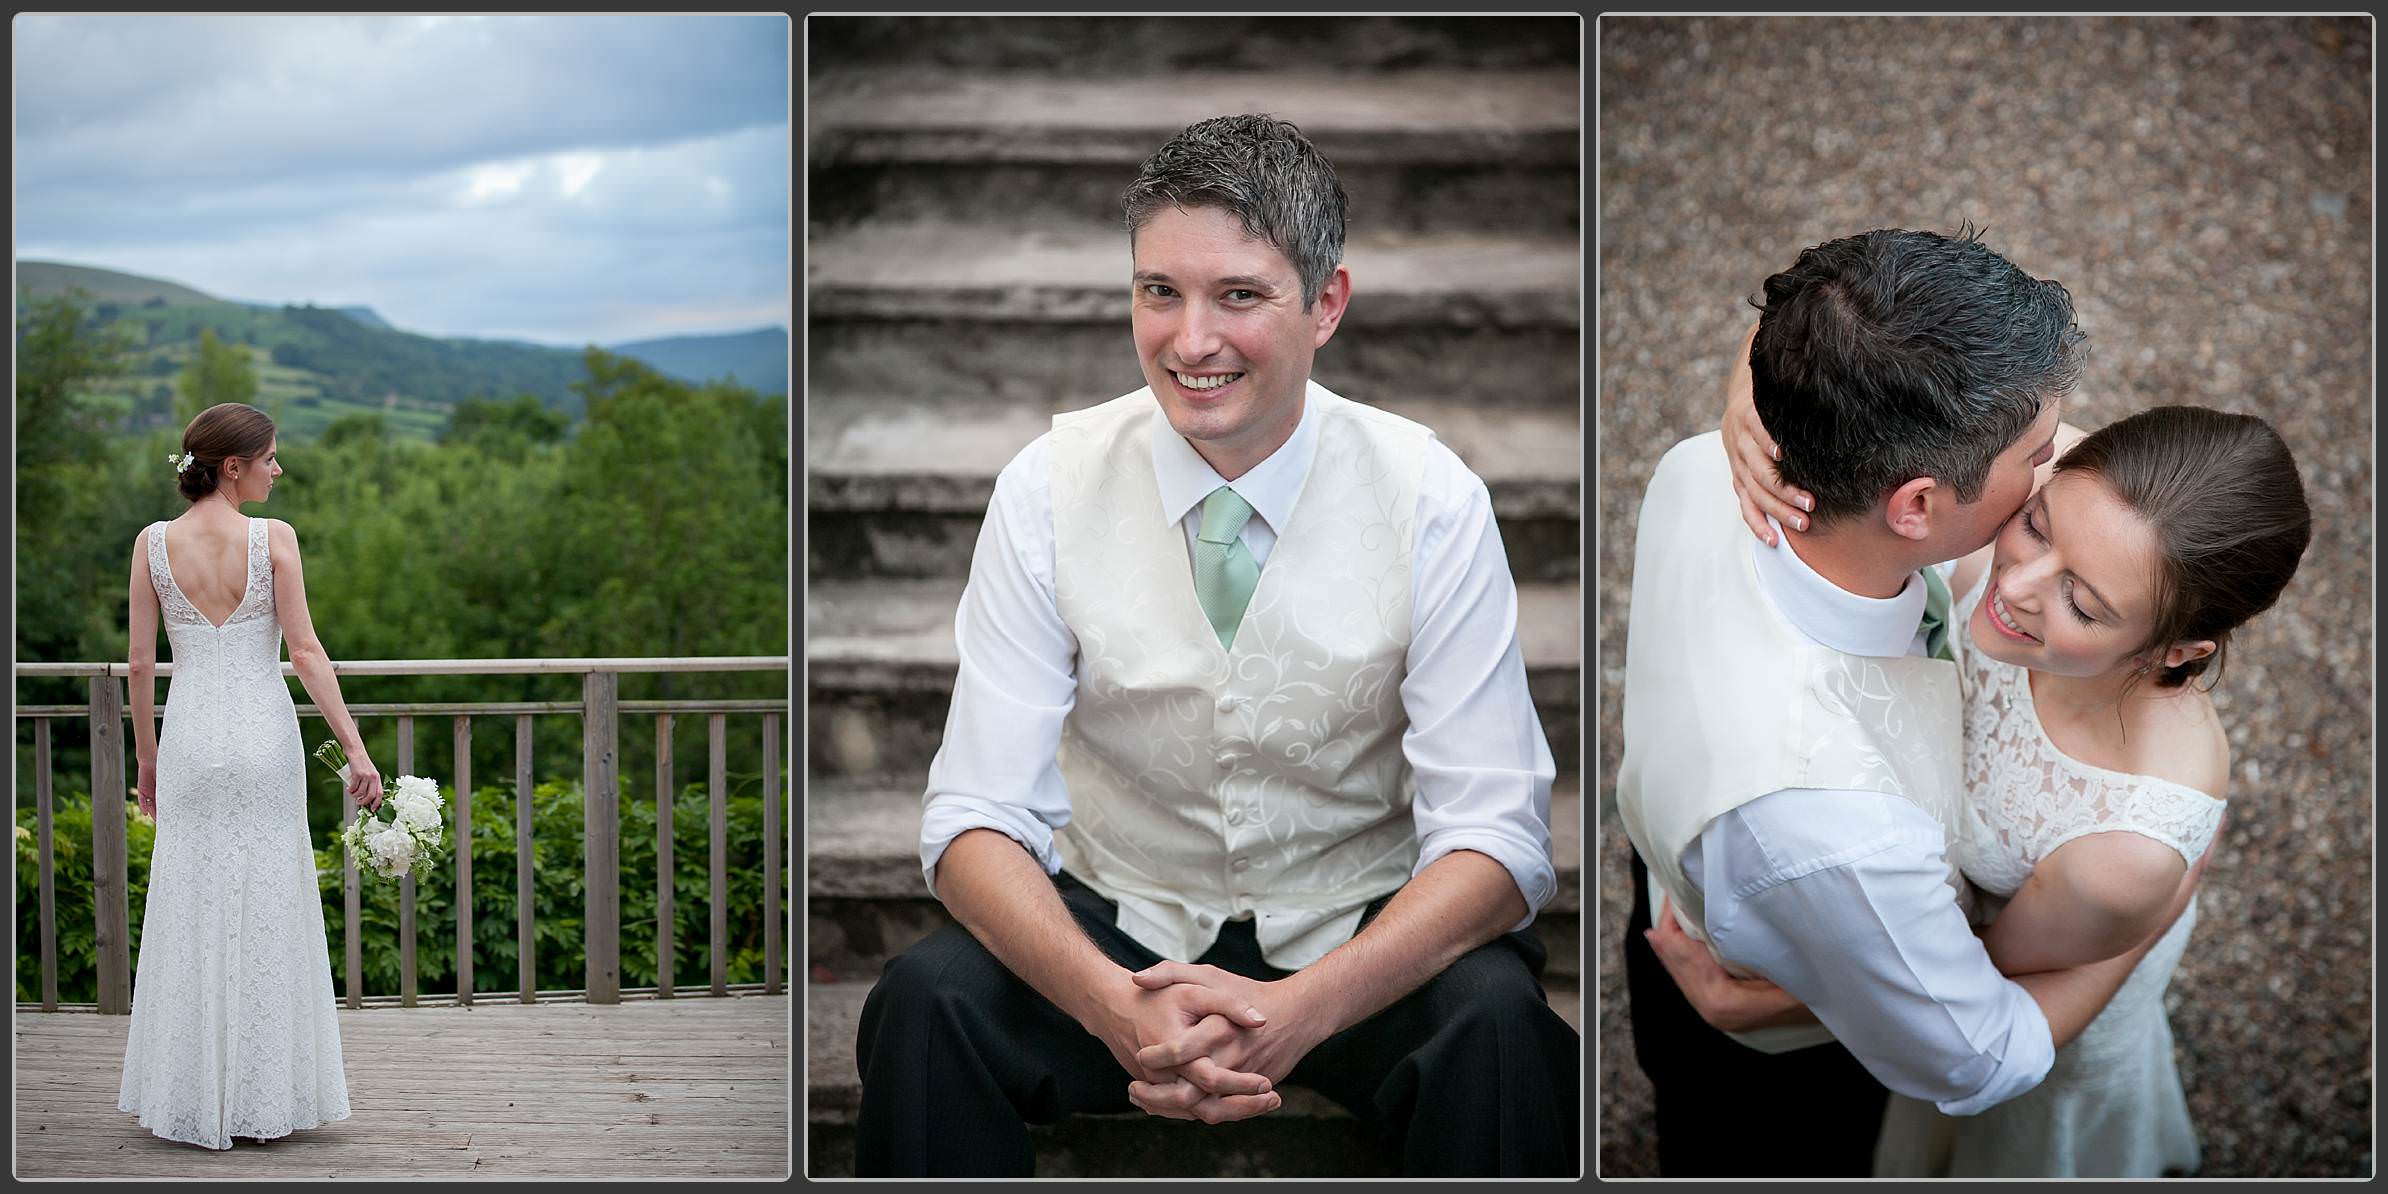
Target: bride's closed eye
[{"x": 2065, "y": 584}]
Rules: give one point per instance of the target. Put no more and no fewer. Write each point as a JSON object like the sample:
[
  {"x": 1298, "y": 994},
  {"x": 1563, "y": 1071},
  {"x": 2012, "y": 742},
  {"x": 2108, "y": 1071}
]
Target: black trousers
[
  {"x": 1470, "y": 1074},
  {"x": 1727, "y": 1110}
]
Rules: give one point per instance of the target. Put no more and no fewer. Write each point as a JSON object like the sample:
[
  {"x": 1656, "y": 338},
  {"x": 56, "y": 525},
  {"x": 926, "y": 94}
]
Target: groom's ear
[{"x": 1908, "y": 513}]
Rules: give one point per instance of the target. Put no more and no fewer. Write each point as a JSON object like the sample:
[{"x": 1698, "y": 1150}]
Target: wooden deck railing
[{"x": 600, "y": 708}]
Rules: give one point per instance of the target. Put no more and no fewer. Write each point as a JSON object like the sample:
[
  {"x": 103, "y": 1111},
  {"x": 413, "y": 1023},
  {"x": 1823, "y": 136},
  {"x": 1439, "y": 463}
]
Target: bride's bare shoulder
[
  {"x": 280, "y": 538},
  {"x": 2177, "y": 736}
]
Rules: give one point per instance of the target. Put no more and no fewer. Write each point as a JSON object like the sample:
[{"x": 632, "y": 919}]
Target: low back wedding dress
[
  {"x": 2112, "y": 1104},
  {"x": 234, "y": 1029}
]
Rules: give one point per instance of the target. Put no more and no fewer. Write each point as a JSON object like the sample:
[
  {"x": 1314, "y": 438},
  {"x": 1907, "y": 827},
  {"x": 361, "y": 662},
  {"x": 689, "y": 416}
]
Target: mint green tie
[
  {"x": 1936, "y": 615},
  {"x": 1224, "y": 574}
]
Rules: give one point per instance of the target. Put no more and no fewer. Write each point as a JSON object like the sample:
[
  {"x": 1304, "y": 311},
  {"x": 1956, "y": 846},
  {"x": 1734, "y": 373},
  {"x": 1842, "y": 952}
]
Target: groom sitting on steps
[
  {"x": 1791, "y": 724},
  {"x": 1299, "y": 817}
]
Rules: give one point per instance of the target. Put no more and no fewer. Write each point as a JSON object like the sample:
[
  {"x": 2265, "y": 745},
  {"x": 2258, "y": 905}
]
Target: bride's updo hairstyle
[
  {"x": 221, "y": 432},
  {"x": 2222, "y": 495}
]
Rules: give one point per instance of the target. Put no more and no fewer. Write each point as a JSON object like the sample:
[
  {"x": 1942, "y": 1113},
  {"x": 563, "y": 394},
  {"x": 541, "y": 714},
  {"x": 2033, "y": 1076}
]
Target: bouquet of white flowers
[{"x": 392, "y": 848}]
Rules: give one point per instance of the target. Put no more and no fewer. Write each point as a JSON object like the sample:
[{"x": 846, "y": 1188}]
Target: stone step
[
  {"x": 1414, "y": 149},
  {"x": 899, "y": 488},
  {"x": 1124, "y": 46},
  {"x": 867, "y": 900},
  {"x": 881, "y": 661},
  {"x": 988, "y": 312},
  {"x": 1309, "y": 1136}
]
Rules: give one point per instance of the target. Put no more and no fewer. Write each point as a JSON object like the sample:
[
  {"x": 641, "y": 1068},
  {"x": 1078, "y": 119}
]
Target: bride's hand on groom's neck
[{"x": 1752, "y": 454}]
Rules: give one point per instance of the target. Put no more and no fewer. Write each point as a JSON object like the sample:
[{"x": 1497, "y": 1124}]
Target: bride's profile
[{"x": 234, "y": 1031}]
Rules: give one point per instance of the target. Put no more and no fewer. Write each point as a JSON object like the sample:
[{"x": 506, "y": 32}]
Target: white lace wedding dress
[
  {"x": 233, "y": 1027},
  {"x": 2111, "y": 1105}
]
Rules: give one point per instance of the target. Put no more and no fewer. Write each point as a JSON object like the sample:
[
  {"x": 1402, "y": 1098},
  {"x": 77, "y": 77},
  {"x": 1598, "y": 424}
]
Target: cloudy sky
[{"x": 561, "y": 179}]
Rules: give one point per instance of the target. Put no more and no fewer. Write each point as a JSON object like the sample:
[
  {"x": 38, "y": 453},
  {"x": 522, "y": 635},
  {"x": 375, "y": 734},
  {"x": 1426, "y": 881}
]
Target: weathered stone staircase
[{"x": 967, "y": 278}]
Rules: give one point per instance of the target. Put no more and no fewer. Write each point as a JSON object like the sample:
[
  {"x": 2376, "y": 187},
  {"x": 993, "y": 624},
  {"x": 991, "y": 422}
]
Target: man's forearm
[
  {"x": 1460, "y": 902},
  {"x": 999, "y": 893}
]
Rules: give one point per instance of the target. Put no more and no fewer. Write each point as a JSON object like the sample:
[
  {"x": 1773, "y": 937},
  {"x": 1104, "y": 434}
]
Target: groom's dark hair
[{"x": 1892, "y": 355}]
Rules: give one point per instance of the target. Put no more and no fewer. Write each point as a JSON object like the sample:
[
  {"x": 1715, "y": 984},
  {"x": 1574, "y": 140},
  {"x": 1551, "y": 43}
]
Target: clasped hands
[{"x": 1198, "y": 1045}]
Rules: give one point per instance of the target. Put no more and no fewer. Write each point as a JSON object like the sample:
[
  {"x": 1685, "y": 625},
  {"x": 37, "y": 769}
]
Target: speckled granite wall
[{"x": 2203, "y": 187}]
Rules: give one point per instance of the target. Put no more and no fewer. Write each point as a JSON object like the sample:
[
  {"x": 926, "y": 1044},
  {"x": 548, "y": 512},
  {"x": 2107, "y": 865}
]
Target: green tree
[
  {"x": 63, "y": 491},
  {"x": 674, "y": 535},
  {"x": 219, "y": 374},
  {"x": 505, "y": 428}
]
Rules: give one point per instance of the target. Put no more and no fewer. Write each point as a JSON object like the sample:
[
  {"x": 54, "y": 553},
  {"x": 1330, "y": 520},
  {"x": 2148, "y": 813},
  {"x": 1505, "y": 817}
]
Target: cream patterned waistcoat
[
  {"x": 1725, "y": 702},
  {"x": 1267, "y": 780}
]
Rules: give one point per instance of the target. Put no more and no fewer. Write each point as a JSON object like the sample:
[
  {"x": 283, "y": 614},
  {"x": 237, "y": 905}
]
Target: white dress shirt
[
  {"x": 1474, "y": 742},
  {"x": 1842, "y": 898}
]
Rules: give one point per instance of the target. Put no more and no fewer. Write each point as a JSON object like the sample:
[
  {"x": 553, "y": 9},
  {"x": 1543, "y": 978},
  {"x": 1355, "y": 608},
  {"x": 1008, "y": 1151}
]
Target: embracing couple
[{"x": 1919, "y": 771}]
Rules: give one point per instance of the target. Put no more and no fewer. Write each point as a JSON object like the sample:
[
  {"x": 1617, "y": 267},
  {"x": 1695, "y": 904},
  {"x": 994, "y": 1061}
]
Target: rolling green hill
[
  {"x": 317, "y": 364},
  {"x": 50, "y": 277}
]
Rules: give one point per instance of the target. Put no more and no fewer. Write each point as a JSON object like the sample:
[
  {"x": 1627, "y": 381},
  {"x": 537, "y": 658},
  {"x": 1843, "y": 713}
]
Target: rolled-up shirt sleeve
[
  {"x": 996, "y": 768},
  {"x": 1474, "y": 743},
  {"x": 1842, "y": 899}
]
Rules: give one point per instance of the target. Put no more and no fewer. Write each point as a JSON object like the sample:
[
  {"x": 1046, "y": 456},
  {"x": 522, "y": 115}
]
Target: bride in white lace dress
[
  {"x": 234, "y": 1031},
  {"x": 2095, "y": 771}
]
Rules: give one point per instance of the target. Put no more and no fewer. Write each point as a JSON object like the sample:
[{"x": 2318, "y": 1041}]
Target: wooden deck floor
[{"x": 693, "y": 1087}]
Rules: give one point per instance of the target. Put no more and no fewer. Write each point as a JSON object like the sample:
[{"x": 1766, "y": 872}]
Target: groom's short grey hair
[
  {"x": 1263, "y": 171},
  {"x": 1892, "y": 355}
]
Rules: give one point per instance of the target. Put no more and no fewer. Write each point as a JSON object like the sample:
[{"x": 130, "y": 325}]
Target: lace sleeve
[{"x": 171, "y": 607}]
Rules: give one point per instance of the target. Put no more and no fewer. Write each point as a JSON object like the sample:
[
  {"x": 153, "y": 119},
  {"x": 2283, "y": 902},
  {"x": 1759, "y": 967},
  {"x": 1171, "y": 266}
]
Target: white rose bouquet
[{"x": 412, "y": 837}]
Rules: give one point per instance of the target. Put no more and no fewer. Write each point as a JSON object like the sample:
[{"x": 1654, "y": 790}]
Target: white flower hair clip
[{"x": 181, "y": 461}]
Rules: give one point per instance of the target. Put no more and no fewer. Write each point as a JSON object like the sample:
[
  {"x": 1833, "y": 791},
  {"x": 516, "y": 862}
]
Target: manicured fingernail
[
  {"x": 1254, "y": 1013},
  {"x": 1807, "y": 503},
  {"x": 1799, "y": 524},
  {"x": 1777, "y": 453}
]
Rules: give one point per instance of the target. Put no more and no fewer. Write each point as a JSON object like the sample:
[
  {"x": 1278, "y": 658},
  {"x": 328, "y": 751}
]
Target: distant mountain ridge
[
  {"x": 758, "y": 359},
  {"x": 387, "y": 366}
]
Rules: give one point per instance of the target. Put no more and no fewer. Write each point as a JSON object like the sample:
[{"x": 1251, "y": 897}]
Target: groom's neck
[{"x": 1858, "y": 560}]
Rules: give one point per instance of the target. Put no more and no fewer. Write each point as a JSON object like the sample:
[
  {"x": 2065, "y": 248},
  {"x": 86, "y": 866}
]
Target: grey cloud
[{"x": 332, "y": 159}]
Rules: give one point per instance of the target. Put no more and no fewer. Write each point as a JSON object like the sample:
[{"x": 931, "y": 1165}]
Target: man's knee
[
  {"x": 948, "y": 970},
  {"x": 1491, "y": 988}
]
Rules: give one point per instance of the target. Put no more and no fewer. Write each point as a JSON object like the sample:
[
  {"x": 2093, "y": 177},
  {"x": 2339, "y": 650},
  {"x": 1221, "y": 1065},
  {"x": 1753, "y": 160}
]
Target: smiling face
[
  {"x": 1221, "y": 334},
  {"x": 2072, "y": 582}
]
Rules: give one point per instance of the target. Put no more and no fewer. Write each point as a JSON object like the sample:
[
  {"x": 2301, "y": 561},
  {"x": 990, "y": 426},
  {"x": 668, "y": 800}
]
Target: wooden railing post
[
  {"x": 49, "y": 899},
  {"x": 406, "y": 882},
  {"x": 601, "y": 709},
  {"x": 601, "y": 837},
  {"x": 114, "y": 930},
  {"x": 461, "y": 834},
  {"x": 719, "y": 858},
  {"x": 526, "y": 953},
  {"x": 664, "y": 945},
  {"x": 771, "y": 854},
  {"x": 349, "y": 898}
]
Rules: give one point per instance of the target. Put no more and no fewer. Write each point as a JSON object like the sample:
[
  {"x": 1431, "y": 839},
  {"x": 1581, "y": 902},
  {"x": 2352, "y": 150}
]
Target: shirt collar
[
  {"x": 1830, "y": 614},
  {"x": 1271, "y": 486}
]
